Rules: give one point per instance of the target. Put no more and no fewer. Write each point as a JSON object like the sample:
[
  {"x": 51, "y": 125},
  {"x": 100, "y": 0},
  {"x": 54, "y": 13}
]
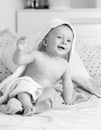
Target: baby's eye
[
  {"x": 59, "y": 37},
  {"x": 69, "y": 40}
]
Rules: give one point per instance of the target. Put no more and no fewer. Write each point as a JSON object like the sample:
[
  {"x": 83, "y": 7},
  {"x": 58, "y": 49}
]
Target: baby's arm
[
  {"x": 20, "y": 57},
  {"x": 67, "y": 86}
]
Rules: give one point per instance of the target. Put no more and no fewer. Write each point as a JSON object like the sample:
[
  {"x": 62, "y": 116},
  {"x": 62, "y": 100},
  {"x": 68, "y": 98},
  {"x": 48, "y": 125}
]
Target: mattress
[{"x": 75, "y": 118}]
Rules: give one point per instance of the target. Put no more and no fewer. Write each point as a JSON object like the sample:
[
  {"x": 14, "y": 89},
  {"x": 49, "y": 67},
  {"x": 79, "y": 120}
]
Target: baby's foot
[
  {"x": 12, "y": 107},
  {"x": 43, "y": 105},
  {"x": 29, "y": 110}
]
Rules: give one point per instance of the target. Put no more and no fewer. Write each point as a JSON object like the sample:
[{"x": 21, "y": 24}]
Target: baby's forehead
[{"x": 58, "y": 29}]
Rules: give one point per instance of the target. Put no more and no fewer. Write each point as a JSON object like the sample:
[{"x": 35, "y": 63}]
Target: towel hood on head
[{"x": 52, "y": 24}]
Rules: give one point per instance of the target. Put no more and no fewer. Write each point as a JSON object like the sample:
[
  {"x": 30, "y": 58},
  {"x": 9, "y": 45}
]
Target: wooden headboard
[{"x": 87, "y": 22}]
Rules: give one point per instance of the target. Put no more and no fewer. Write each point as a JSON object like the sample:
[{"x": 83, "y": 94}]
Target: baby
[{"x": 46, "y": 66}]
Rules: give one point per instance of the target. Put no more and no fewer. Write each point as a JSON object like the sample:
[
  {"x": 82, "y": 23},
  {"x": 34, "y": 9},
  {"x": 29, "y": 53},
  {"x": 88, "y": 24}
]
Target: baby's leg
[
  {"x": 25, "y": 99},
  {"x": 39, "y": 107},
  {"x": 12, "y": 107}
]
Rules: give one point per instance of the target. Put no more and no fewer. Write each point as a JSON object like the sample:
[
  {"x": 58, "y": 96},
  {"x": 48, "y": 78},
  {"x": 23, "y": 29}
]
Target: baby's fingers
[{"x": 21, "y": 43}]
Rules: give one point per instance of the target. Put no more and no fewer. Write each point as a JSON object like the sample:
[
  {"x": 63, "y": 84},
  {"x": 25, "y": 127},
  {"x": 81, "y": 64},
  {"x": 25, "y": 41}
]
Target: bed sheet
[{"x": 77, "y": 118}]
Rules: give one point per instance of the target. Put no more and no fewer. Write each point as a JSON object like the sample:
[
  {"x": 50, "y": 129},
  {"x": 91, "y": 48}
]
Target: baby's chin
[{"x": 62, "y": 52}]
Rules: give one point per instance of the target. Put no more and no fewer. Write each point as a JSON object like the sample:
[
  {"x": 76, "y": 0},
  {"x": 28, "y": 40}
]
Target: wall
[
  {"x": 8, "y": 12},
  {"x": 83, "y": 3}
]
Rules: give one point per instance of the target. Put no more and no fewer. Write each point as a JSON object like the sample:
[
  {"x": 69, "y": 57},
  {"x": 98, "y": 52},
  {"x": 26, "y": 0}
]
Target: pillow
[
  {"x": 4, "y": 71},
  {"x": 77, "y": 66},
  {"x": 91, "y": 57},
  {"x": 8, "y": 40}
]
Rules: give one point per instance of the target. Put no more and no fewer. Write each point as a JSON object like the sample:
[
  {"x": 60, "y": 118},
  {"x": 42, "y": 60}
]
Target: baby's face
[{"x": 59, "y": 40}]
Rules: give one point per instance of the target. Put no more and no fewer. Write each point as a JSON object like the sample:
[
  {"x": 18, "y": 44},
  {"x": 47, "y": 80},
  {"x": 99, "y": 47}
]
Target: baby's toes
[
  {"x": 6, "y": 109},
  {"x": 29, "y": 111}
]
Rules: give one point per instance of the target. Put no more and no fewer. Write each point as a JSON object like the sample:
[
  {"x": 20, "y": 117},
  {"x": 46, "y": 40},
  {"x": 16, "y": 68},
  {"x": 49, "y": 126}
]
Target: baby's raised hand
[{"x": 21, "y": 43}]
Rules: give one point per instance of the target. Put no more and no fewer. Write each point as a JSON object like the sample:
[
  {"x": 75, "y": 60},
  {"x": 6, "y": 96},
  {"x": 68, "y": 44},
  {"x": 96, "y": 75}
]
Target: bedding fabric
[
  {"x": 4, "y": 40},
  {"x": 91, "y": 57},
  {"x": 76, "y": 118},
  {"x": 21, "y": 84},
  {"x": 8, "y": 41}
]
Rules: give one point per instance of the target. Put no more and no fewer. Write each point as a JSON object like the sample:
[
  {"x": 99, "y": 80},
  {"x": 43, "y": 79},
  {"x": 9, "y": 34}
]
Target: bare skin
[{"x": 47, "y": 67}]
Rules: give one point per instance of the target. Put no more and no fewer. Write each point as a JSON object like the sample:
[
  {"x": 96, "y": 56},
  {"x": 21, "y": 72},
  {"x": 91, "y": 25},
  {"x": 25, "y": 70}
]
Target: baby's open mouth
[{"x": 61, "y": 47}]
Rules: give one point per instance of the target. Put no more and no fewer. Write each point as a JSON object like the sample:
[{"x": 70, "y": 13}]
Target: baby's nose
[{"x": 64, "y": 42}]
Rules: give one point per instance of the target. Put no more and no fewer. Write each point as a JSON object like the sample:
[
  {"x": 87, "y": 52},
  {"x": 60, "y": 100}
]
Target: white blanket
[{"x": 21, "y": 84}]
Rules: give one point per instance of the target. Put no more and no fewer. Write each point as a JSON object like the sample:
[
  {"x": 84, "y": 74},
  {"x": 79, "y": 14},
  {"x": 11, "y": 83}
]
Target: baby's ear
[{"x": 44, "y": 42}]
